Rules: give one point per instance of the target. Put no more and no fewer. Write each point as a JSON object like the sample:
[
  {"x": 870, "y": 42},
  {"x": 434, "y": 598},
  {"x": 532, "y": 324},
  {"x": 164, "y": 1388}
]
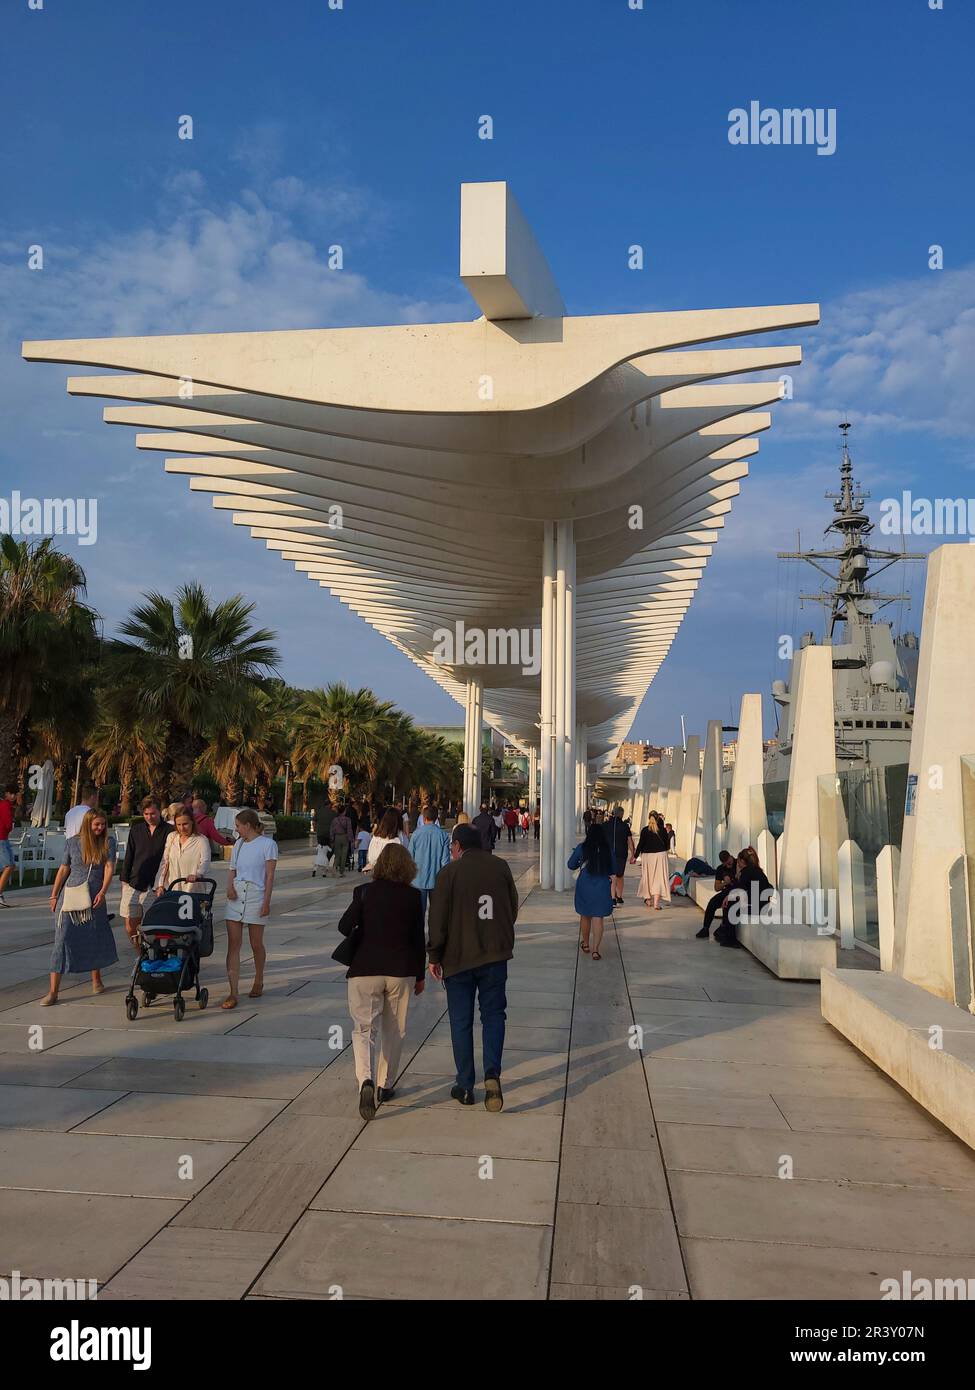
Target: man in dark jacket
[
  {"x": 473, "y": 909},
  {"x": 143, "y": 855},
  {"x": 484, "y": 824}
]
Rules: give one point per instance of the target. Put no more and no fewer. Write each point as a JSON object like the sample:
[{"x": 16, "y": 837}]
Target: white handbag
[{"x": 77, "y": 901}]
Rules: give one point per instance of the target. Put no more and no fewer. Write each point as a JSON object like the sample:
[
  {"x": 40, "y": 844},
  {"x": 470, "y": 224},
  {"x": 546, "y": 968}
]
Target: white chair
[
  {"x": 51, "y": 854},
  {"x": 27, "y": 850}
]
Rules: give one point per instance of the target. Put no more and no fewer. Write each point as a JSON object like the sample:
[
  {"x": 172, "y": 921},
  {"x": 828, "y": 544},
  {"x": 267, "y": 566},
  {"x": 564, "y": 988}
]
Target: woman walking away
[
  {"x": 654, "y": 859},
  {"x": 83, "y": 940},
  {"x": 387, "y": 833},
  {"x": 594, "y": 894},
  {"x": 186, "y": 855},
  {"x": 249, "y": 884},
  {"x": 388, "y": 963}
]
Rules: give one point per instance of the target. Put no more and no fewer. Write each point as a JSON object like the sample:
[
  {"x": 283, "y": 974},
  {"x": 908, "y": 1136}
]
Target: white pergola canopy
[{"x": 412, "y": 470}]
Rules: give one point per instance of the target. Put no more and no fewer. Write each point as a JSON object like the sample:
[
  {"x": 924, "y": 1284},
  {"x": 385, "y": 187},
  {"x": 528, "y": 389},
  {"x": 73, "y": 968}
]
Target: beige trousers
[{"x": 375, "y": 1000}]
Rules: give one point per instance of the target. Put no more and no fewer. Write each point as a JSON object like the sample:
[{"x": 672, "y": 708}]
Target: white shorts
[
  {"x": 132, "y": 900},
  {"x": 247, "y": 908}
]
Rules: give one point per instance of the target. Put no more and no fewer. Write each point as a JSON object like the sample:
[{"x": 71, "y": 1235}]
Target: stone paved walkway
[{"x": 654, "y": 1101}]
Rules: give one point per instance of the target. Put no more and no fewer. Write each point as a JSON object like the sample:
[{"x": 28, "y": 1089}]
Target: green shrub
[{"x": 292, "y": 827}]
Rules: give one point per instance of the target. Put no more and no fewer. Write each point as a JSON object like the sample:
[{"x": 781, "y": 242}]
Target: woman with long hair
[
  {"x": 186, "y": 854},
  {"x": 83, "y": 940},
  {"x": 594, "y": 896},
  {"x": 388, "y": 966},
  {"x": 389, "y": 832},
  {"x": 653, "y": 856},
  {"x": 250, "y": 880}
]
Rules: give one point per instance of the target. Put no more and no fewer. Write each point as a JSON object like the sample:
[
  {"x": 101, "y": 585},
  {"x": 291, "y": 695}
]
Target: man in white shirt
[{"x": 74, "y": 818}]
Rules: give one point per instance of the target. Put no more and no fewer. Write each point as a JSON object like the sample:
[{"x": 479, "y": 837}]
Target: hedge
[{"x": 292, "y": 827}]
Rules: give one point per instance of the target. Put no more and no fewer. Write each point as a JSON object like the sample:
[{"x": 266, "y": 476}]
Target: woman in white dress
[
  {"x": 186, "y": 855},
  {"x": 653, "y": 856}
]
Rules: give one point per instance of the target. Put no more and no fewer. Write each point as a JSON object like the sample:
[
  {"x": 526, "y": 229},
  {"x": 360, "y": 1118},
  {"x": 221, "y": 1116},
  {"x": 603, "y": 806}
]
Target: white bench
[{"x": 790, "y": 952}]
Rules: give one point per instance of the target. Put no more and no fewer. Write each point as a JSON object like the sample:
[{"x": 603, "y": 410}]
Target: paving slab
[
  {"x": 71, "y": 1235},
  {"x": 473, "y": 1188},
  {"x": 897, "y": 1161},
  {"x": 49, "y": 1107},
  {"x": 16, "y": 1038},
  {"x": 683, "y": 1106},
  {"x": 44, "y": 1068},
  {"x": 180, "y": 1264},
  {"x": 463, "y": 1131},
  {"x": 894, "y": 1115},
  {"x": 176, "y": 1116},
  {"x": 792, "y": 1212},
  {"x": 195, "y": 1078},
  {"x": 734, "y": 1269},
  {"x": 755, "y": 1079},
  {"x": 592, "y": 1293},
  {"x": 108, "y": 1165},
  {"x": 399, "y": 1257},
  {"x": 613, "y": 1177},
  {"x": 292, "y": 1138},
  {"x": 254, "y": 1196},
  {"x": 614, "y": 1246}
]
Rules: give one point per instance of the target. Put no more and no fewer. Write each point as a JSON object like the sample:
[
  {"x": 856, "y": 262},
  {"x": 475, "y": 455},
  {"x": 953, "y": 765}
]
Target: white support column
[
  {"x": 704, "y": 846},
  {"x": 888, "y": 869},
  {"x": 690, "y": 796},
  {"x": 582, "y": 776},
  {"x": 925, "y": 951},
  {"x": 565, "y": 702},
  {"x": 747, "y": 772},
  {"x": 660, "y": 793},
  {"x": 473, "y": 713},
  {"x": 813, "y": 756},
  {"x": 851, "y": 892},
  {"x": 673, "y": 790},
  {"x": 547, "y": 748},
  {"x": 532, "y": 776}
]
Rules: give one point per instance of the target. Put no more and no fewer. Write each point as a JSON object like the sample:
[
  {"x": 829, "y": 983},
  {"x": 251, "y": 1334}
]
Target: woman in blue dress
[
  {"x": 594, "y": 895},
  {"x": 83, "y": 940}
]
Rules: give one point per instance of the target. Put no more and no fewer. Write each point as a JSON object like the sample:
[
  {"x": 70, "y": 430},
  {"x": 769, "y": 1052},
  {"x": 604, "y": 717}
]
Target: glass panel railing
[{"x": 865, "y": 805}]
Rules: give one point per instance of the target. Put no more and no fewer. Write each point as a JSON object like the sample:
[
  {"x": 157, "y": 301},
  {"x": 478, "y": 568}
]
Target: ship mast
[{"x": 848, "y": 599}]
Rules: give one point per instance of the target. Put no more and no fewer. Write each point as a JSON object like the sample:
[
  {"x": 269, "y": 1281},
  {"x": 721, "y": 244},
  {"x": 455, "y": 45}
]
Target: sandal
[
  {"x": 583, "y": 946},
  {"x": 48, "y": 999},
  {"x": 230, "y": 1002},
  {"x": 98, "y": 989},
  {"x": 256, "y": 993},
  {"x": 597, "y": 955}
]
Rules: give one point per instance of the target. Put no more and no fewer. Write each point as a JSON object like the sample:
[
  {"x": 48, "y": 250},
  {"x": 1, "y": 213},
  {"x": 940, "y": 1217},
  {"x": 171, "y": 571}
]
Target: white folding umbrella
[{"x": 44, "y": 800}]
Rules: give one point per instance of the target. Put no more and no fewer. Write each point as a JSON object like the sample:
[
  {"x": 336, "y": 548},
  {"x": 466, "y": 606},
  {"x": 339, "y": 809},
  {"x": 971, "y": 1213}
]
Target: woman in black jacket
[
  {"x": 389, "y": 961},
  {"x": 751, "y": 890}
]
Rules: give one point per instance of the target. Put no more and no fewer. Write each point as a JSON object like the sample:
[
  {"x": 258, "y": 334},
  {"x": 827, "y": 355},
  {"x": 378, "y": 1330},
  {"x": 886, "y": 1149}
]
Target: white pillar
[
  {"x": 747, "y": 772},
  {"x": 850, "y": 892},
  {"x": 708, "y": 800},
  {"x": 888, "y": 868},
  {"x": 944, "y": 731},
  {"x": 673, "y": 789},
  {"x": 690, "y": 796},
  {"x": 473, "y": 714},
  {"x": 662, "y": 789},
  {"x": 813, "y": 756},
  {"x": 565, "y": 714},
  {"x": 582, "y": 776},
  {"x": 547, "y": 749},
  {"x": 765, "y": 848},
  {"x": 532, "y": 776}
]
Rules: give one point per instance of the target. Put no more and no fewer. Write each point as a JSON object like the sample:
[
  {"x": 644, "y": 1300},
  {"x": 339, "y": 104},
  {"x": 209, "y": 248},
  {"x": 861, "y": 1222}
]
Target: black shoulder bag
[{"x": 346, "y": 949}]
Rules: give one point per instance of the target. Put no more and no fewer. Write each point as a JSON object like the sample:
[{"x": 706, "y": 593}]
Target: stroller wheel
[
  {"x": 131, "y": 1008},
  {"x": 146, "y": 999},
  {"x": 204, "y": 998},
  {"x": 179, "y": 1008}
]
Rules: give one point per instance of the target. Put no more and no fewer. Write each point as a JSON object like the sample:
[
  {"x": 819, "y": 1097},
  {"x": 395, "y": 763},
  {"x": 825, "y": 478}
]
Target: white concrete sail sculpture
[{"x": 487, "y": 473}]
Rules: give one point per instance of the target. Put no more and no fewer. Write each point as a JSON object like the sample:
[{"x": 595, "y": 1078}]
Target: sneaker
[
  {"x": 493, "y": 1097},
  {"x": 384, "y": 1093},
  {"x": 367, "y": 1101},
  {"x": 459, "y": 1094}
]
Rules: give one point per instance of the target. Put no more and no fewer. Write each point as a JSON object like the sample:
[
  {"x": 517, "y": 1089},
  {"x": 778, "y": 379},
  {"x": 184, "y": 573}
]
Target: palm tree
[
  {"x": 134, "y": 749},
  {"x": 342, "y": 727},
  {"x": 194, "y": 665},
  {"x": 47, "y": 639},
  {"x": 250, "y": 751}
]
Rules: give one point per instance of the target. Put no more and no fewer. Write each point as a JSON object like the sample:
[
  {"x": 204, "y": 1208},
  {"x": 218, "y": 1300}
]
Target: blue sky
[{"x": 314, "y": 126}]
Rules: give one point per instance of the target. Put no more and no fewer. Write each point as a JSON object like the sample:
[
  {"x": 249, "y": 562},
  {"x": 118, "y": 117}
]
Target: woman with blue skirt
[
  {"x": 83, "y": 940},
  {"x": 594, "y": 894}
]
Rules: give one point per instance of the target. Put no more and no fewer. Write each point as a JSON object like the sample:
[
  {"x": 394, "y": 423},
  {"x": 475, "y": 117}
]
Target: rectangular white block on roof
[{"x": 501, "y": 263}]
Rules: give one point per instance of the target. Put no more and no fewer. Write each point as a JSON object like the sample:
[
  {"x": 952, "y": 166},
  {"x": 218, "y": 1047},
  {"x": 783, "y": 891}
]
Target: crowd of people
[
  {"x": 432, "y": 901},
  {"x": 609, "y": 845}
]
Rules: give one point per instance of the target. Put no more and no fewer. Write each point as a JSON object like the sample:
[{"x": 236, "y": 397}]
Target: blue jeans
[{"x": 487, "y": 982}]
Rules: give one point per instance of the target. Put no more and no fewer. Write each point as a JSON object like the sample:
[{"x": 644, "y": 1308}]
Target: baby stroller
[{"x": 176, "y": 932}]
